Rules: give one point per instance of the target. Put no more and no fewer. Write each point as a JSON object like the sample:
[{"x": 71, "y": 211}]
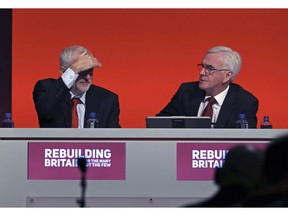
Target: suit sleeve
[
  {"x": 173, "y": 108},
  {"x": 251, "y": 112},
  {"x": 48, "y": 95},
  {"x": 114, "y": 115}
]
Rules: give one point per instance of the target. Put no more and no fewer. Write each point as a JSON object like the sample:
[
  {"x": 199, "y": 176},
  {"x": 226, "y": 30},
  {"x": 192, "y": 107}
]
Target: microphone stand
[
  {"x": 81, "y": 201},
  {"x": 82, "y": 166}
]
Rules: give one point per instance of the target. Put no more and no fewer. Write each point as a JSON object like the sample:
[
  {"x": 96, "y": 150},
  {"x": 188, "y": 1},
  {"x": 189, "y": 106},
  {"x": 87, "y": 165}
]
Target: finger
[
  {"x": 81, "y": 56},
  {"x": 84, "y": 53},
  {"x": 97, "y": 63}
]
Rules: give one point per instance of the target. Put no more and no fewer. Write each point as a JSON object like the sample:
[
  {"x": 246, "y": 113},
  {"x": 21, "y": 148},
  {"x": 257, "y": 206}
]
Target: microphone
[{"x": 81, "y": 162}]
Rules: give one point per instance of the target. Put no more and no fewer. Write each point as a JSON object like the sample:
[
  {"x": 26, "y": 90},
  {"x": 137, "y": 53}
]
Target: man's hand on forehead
[{"x": 85, "y": 62}]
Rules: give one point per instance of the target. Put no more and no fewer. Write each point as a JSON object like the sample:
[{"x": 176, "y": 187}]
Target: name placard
[
  {"x": 58, "y": 160},
  {"x": 197, "y": 161}
]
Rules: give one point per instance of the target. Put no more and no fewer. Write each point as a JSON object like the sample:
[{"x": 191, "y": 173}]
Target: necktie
[
  {"x": 208, "y": 111},
  {"x": 74, "y": 101}
]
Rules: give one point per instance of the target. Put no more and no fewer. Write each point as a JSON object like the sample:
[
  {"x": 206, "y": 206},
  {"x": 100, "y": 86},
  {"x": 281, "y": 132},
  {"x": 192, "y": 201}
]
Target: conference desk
[{"x": 149, "y": 176}]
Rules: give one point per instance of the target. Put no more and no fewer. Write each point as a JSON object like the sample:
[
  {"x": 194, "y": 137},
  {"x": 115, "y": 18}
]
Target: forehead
[{"x": 214, "y": 59}]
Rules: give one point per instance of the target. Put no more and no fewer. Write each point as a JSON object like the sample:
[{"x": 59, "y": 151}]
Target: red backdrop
[{"x": 147, "y": 53}]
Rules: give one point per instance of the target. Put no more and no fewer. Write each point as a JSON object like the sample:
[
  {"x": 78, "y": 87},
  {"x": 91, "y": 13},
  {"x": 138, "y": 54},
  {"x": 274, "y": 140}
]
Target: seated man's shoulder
[
  {"x": 241, "y": 91},
  {"x": 45, "y": 82},
  {"x": 190, "y": 85},
  {"x": 101, "y": 90}
]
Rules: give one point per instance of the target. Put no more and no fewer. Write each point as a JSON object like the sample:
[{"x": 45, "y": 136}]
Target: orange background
[{"x": 147, "y": 53}]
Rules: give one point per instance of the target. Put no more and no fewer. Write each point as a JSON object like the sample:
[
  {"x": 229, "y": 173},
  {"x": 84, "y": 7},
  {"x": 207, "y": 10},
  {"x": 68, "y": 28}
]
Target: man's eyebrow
[{"x": 209, "y": 66}]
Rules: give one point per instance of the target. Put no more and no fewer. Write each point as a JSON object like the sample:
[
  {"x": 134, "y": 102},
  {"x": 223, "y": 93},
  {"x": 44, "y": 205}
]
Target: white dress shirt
[{"x": 216, "y": 106}]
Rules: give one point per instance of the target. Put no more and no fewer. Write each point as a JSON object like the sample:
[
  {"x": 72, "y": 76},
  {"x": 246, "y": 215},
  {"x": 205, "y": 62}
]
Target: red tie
[
  {"x": 75, "y": 101},
  {"x": 208, "y": 111}
]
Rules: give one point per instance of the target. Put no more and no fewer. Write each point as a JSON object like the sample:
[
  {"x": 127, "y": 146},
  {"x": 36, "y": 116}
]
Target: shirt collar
[
  {"x": 82, "y": 97},
  {"x": 221, "y": 96}
]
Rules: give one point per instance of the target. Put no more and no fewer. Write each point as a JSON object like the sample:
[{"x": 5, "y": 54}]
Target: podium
[{"x": 148, "y": 167}]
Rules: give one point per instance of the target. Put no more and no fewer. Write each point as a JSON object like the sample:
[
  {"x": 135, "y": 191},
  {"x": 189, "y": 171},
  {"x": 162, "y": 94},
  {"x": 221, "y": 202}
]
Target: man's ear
[
  {"x": 228, "y": 76},
  {"x": 62, "y": 69}
]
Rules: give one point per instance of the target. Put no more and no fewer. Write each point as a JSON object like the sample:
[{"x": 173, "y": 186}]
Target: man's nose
[
  {"x": 89, "y": 75},
  {"x": 202, "y": 71}
]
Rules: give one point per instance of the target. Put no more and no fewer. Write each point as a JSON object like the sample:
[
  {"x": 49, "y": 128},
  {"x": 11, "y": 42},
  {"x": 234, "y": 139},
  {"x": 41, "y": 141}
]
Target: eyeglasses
[{"x": 209, "y": 70}]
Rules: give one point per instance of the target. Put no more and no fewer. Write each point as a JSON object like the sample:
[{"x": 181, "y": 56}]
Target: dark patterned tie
[
  {"x": 208, "y": 111},
  {"x": 74, "y": 101}
]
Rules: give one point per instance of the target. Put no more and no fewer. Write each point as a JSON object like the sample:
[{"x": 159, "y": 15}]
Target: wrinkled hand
[{"x": 84, "y": 62}]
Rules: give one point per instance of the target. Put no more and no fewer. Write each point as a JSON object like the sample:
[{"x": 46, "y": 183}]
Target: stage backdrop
[{"x": 147, "y": 53}]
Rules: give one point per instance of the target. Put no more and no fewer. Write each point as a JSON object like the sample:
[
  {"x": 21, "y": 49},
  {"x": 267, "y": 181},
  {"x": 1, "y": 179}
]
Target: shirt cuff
[{"x": 69, "y": 77}]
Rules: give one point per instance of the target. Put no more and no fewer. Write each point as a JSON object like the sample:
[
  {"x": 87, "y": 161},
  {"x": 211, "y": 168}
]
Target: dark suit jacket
[
  {"x": 52, "y": 102},
  {"x": 188, "y": 97}
]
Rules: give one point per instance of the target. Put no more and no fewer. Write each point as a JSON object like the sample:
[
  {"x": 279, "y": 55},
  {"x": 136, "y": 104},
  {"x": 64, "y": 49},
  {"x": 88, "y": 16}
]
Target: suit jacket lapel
[
  {"x": 92, "y": 102},
  {"x": 67, "y": 109},
  {"x": 87, "y": 106},
  {"x": 195, "y": 103},
  {"x": 226, "y": 109},
  {"x": 196, "y": 97}
]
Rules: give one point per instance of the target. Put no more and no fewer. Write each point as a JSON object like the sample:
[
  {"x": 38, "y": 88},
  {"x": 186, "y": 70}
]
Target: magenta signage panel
[
  {"x": 197, "y": 161},
  {"x": 58, "y": 160}
]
